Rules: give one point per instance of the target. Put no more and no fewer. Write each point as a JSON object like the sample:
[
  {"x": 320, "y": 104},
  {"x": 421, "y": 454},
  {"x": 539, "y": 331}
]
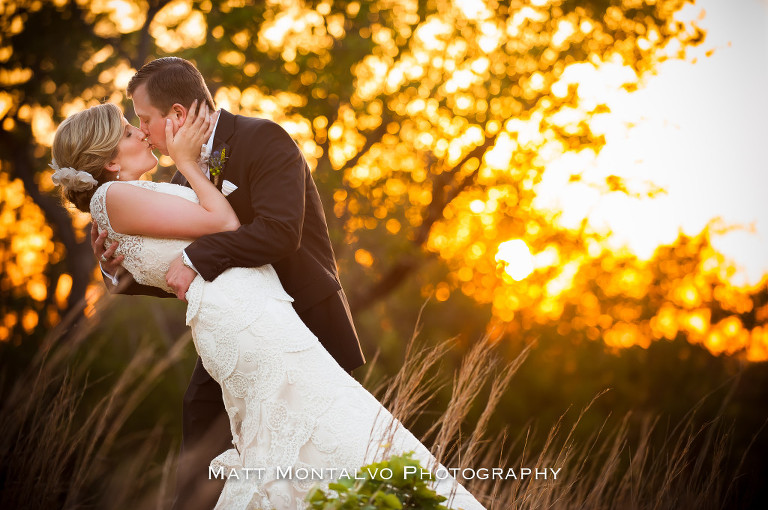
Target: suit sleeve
[{"x": 277, "y": 180}]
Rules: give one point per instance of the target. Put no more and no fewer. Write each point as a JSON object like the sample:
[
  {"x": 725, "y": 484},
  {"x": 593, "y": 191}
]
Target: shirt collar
[{"x": 209, "y": 145}]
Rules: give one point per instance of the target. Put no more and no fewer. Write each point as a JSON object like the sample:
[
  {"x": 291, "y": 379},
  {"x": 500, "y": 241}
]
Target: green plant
[{"x": 397, "y": 482}]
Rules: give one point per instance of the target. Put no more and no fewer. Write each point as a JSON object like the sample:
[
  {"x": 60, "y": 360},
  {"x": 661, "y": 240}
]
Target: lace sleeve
[
  {"x": 146, "y": 258},
  {"x": 99, "y": 208},
  {"x": 130, "y": 245}
]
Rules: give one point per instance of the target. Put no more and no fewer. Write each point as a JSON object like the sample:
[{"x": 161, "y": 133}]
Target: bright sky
[{"x": 699, "y": 132}]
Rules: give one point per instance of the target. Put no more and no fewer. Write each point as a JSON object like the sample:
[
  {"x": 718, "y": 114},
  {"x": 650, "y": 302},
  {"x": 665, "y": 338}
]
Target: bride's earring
[{"x": 118, "y": 174}]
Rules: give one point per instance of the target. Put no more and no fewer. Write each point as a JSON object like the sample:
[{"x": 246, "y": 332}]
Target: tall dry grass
[
  {"x": 616, "y": 468},
  {"x": 56, "y": 452}
]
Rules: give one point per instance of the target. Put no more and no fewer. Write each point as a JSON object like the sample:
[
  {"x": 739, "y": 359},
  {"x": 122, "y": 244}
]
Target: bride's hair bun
[{"x": 84, "y": 144}]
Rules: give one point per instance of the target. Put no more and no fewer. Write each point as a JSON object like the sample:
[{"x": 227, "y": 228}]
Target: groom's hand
[
  {"x": 179, "y": 277},
  {"x": 109, "y": 263}
]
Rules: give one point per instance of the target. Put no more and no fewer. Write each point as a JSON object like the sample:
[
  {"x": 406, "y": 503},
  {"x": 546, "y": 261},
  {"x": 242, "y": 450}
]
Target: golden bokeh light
[
  {"x": 123, "y": 16},
  {"x": 517, "y": 258},
  {"x": 435, "y": 147},
  {"x": 63, "y": 288},
  {"x": 178, "y": 26}
]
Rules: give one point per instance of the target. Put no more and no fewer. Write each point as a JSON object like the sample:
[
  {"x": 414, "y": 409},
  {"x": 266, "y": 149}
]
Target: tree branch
[
  {"x": 144, "y": 38},
  {"x": 442, "y": 195},
  {"x": 394, "y": 276},
  {"x": 372, "y": 139}
]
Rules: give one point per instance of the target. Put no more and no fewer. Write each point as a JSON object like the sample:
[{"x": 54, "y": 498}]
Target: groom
[{"x": 270, "y": 187}]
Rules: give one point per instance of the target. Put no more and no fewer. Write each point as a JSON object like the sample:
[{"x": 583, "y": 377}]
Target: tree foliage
[
  {"x": 427, "y": 122},
  {"x": 429, "y": 125}
]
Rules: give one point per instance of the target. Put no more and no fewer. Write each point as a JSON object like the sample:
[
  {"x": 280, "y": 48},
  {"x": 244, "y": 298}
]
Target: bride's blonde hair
[{"x": 87, "y": 141}]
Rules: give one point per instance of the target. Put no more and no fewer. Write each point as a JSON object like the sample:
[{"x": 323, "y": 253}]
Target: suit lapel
[
  {"x": 225, "y": 128},
  {"x": 224, "y": 131},
  {"x": 219, "y": 156}
]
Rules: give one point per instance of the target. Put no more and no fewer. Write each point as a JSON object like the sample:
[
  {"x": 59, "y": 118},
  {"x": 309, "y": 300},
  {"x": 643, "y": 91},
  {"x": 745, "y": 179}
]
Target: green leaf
[
  {"x": 338, "y": 487},
  {"x": 392, "y": 502}
]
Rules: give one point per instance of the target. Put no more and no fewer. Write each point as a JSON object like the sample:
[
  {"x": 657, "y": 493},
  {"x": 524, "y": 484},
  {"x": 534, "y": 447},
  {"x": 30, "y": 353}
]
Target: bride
[{"x": 290, "y": 405}]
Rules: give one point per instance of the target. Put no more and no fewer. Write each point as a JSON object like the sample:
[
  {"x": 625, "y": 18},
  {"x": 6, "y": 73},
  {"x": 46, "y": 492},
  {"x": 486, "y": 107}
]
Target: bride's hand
[{"x": 184, "y": 146}]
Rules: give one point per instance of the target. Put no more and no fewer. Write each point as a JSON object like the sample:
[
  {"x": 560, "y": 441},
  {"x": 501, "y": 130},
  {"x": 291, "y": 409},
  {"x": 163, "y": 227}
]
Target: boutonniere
[{"x": 216, "y": 164}]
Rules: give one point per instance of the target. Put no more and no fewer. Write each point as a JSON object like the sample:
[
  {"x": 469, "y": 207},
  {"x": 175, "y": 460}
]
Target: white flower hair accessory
[{"x": 71, "y": 178}]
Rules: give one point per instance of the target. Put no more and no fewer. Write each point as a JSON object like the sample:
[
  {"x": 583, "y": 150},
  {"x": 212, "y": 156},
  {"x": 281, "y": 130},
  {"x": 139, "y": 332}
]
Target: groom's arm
[{"x": 277, "y": 180}]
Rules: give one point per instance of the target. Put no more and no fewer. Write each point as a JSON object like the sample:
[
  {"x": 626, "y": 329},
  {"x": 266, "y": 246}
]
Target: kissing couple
[{"x": 240, "y": 235}]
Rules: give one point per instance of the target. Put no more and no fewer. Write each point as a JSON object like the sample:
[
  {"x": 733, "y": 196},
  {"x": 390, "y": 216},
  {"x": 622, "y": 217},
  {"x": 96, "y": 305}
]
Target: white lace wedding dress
[{"x": 290, "y": 404}]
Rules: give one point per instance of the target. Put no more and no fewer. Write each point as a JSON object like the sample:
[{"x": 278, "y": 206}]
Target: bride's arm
[{"x": 136, "y": 210}]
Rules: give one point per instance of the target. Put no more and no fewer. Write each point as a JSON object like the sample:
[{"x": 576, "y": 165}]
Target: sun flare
[{"x": 516, "y": 257}]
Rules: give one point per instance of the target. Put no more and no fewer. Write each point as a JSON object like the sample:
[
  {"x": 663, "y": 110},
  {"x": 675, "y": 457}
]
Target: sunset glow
[
  {"x": 517, "y": 259},
  {"x": 535, "y": 178}
]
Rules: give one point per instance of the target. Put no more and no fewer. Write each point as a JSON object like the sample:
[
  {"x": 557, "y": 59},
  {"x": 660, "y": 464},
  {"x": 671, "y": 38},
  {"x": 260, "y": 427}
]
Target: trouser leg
[{"x": 206, "y": 433}]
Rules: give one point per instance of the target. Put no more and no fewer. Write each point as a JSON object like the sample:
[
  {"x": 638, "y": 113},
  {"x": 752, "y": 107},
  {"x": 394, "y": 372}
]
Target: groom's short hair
[{"x": 171, "y": 80}]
